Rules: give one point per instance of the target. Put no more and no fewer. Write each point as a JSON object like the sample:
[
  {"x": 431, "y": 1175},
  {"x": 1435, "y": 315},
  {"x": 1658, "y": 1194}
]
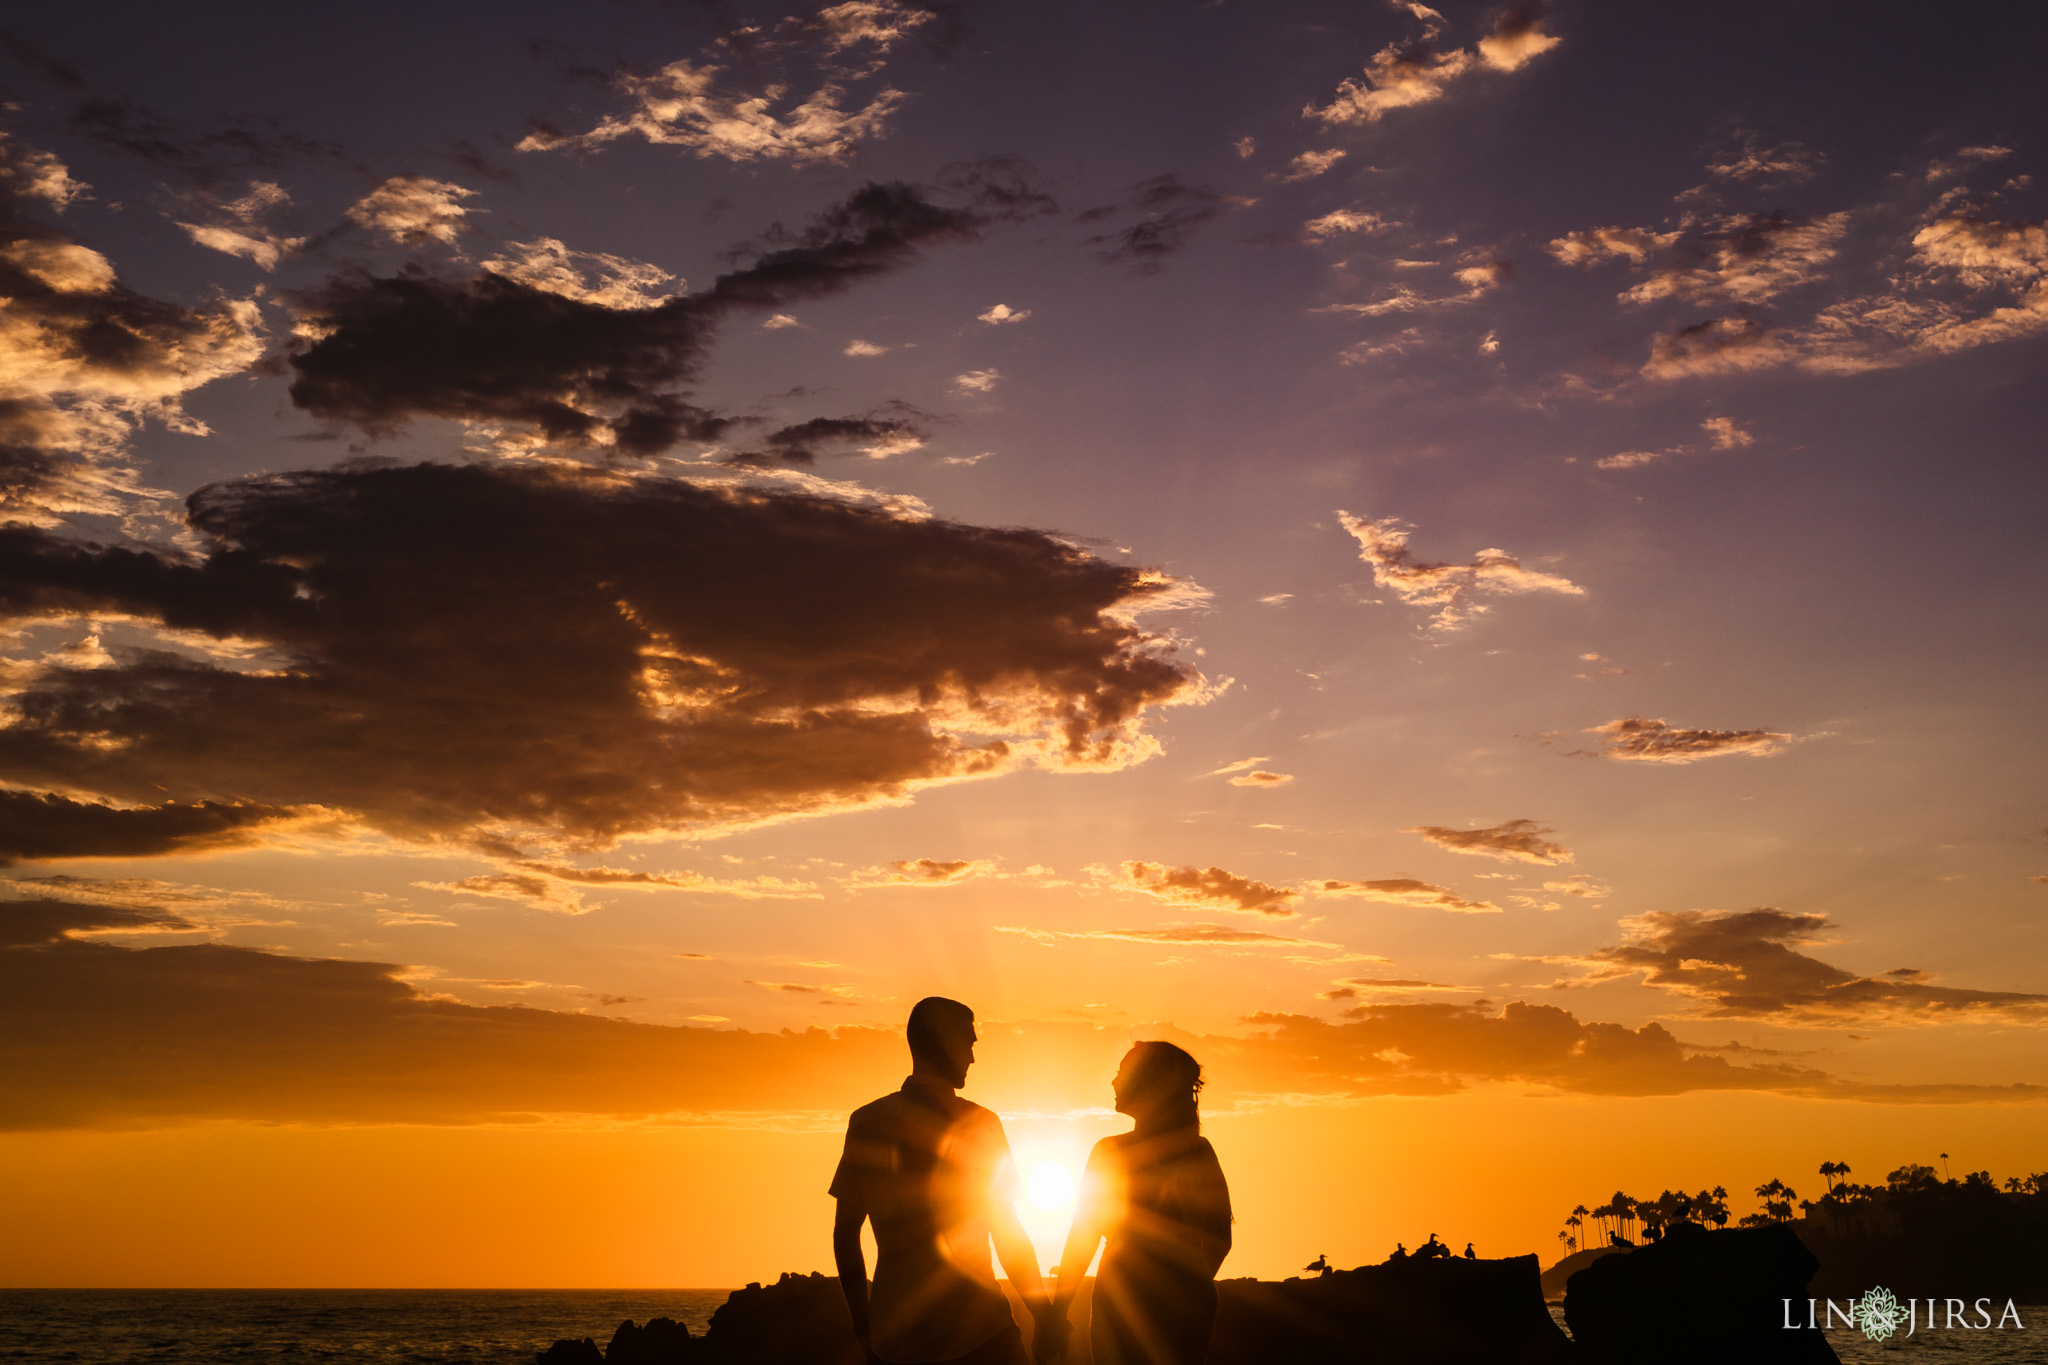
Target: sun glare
[{"x": 1050, "y": 1186}]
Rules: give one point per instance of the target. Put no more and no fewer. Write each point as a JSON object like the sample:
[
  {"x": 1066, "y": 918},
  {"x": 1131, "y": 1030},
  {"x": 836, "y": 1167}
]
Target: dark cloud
[
  {"x": 91, "y": 1033},
  {"x": 1515, "y": 841},
  {"x": 552, "y": 649},
  {"x": 1441, "y": 1048},
  {"x": 37, "y": 828},
  {"x": 890, "y": 431},
  {"x": 1640, "y": 740},
  {"x": 490, "y": 348},
  {"x": 1169, "y": 214},
  {"x": 95, "y": 1034},
  {"x": 1206, "y": 888},
  {"x": 1746, "y": 965}
]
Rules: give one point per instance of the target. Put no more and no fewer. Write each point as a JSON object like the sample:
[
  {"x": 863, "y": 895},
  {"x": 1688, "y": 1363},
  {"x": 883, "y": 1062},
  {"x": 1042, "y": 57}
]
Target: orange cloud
[
  {"x": 1515, "y": 841},
  {"x": 1206, "y": 888},
  {"x": 1384, "y": 545},
  {"x": 1408, "y": 891},
  {"x": 1639, "y": 740},
  {"x": 1259, "y": 777},
  {"x": 923, "y": 872},
  {"x": 1419, "y": 71}
]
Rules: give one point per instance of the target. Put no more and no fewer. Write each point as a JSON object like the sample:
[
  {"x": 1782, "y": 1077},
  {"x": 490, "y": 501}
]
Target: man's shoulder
[{"x": 876, "y": 1111}]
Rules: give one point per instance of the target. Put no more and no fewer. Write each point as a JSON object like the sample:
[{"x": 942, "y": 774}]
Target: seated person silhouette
[
  {"x": 932, "y": 1172},
  {"x": 1158, "y": 1195}
]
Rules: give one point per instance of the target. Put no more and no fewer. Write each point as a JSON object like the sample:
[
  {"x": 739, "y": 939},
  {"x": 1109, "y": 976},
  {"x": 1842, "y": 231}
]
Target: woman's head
[{"x": 1157, "y": 1085}]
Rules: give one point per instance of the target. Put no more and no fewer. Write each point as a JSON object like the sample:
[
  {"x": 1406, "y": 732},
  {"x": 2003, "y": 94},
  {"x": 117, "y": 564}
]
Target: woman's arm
[{"x": 1092, "y": 1213}]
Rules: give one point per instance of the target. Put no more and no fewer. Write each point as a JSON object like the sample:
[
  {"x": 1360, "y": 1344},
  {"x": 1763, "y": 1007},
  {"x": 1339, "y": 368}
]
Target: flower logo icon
[{"x": 1879, "y": 1314}]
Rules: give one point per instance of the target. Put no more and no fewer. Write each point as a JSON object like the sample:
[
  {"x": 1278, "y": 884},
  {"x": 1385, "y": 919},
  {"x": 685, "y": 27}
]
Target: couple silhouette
[{"x": 932, "y": 1173}]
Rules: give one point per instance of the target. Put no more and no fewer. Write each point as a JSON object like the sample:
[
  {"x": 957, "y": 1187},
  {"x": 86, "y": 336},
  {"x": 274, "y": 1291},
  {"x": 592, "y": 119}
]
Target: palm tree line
[{"x": 1845, "y": 1205}]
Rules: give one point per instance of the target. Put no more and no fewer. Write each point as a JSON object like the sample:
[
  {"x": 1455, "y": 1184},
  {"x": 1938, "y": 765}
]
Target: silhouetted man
[{"x": 933, "y": 1173}]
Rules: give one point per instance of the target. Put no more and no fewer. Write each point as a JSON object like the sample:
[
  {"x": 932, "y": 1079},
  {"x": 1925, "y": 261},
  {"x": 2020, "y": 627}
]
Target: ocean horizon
[{"x": 509, "y": 1326}]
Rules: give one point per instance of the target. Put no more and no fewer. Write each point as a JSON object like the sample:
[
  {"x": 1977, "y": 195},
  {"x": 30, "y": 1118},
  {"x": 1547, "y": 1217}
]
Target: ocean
[{"x": 507, "y": 1326}]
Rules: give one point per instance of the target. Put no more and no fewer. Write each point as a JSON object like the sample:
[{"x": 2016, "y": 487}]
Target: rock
[
  {"x": 663, "y": 1341},
  {"x": 798, "y": 1320},
  {"x": 1447, "y": 1311},
  {"x": 1555, "y": 1278},
  {"x": 568, "y": 1352},
  {"x": 1698, "y": 1298}
]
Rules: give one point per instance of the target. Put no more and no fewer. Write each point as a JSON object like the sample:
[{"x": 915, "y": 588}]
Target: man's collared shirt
[{"x": 925, "y": 1166}]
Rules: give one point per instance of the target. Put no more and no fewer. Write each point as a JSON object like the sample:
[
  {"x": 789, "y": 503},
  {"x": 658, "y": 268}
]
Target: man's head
[{"x": 941, "y": 1033}]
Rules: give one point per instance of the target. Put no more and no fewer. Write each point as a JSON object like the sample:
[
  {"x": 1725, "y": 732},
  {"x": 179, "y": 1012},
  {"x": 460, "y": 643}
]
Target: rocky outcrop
[
  {"x": 798, "y": 1320},
  {"x": 663, "y": 1341},
  {"x": 1445, "y": 1311},
  {"x": 1698, "y": 1298}
]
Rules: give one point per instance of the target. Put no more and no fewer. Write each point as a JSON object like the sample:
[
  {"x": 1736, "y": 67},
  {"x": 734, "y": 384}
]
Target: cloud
[
  {"x": 1631, "y": 459},
  {"x": 582, "y": 655},
  {"x": 104, "y": 1035},
  {"x": 1744, "y": 259},
  {"x": 1002, "y": 313},
  {"x": 858, "y": 347},
  {"x": 923, "y": 872},
  {"x": 414, "y": 209},
  {"x": 1171, "y": 215},
  {"x": 101, "y": 1035},
  {"x": 30, "y": 173},
  {"x": 1959, "y": 276},
  {"x": 1352, "y": 987},
  {"x": 1788, "y": 163},
  {"x": 1515, "y": 841},
  {"x": 1184, "y": 935},
  {"x": 687, "y": 104},
  {"x": 40, "y": 827},
  {"x": 1259, "y": 777},
  {"x": 1578, "y": 884},
  {"x": 1406, "y": 74},
  {"x": 1423, "y": 1049},
  {"x": 488, "y": 348},
  {"x": 1238, "y": 766},
  {"x": 1340, "y": 221},
  {"x": 1308, "y": 166},
  {"x": 778, "y": 321},
  {"x": 540, "y": 892},
  {"x": 740, "y": 103},
  {"x": 1448, "y": 587},
  {"x": 752, "y": 888},
  {"x": 1206, "y": 888},
  {"x": 1726, "y": 433},
  {"x": 976, "y": 381},
  {"x": 1639, "y": 740},
  {"x": 1745, "y": 964},
  {"x": 86, "y": 361},
  {"x": 893, "y": 430},
  {"x": 236, "y": 226},
  {"x": 1407, "y": 891},
  {"x": 608, "y": 281}
]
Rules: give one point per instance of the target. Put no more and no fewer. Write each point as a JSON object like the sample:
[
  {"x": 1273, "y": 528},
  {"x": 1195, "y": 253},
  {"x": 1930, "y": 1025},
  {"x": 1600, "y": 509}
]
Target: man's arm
[{"x": 853, "y": 1269}]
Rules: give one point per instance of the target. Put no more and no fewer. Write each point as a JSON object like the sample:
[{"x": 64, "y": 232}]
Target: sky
[{"x": 1479, "y": 568}]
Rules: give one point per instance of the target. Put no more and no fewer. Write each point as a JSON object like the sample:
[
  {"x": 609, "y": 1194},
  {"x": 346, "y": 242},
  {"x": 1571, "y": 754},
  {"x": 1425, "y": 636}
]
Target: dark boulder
[
  {"x": 663, "y": 1341},
  {"x": 1699, "y": 1298},
  {"x": 1448, "y": 1311},
  {"x": 567, "y": 1352},
  {"x": 798, "y": 1320}
]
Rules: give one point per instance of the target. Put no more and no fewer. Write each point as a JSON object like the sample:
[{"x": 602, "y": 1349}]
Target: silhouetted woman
[{"x": 1158, "y": 1195}]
